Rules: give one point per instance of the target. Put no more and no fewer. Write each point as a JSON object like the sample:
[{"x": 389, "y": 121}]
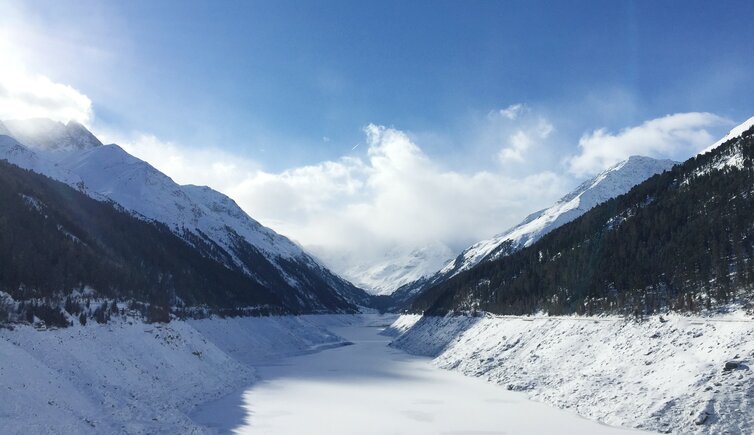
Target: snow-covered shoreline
[
  {"x": 664, "y": 373},
  {"x": 369, "y": 388},
  {"x": 131, "y": 377}
]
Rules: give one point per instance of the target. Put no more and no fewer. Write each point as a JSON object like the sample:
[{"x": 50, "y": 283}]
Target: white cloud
[
  {"x": 516, "y": 131},
  {"x": 520, "y": 143},
  {"x": 204, "y": 166},
  {"x": 522, "y": 140},
  {"x": 26, "y": 95},
  {"x": 674, "y": 136},
  {"x": 357, "y": 208},
  {"x": 354, "y": 209},
  {"x": 513, "y": 111}
]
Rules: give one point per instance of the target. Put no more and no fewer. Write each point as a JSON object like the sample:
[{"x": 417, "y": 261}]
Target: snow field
[
  {"x": 664, "y": 374},
  {"x": 129, "y": 377}
]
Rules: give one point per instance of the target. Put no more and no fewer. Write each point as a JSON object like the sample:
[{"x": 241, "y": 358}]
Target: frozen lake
[{"x": 370, "y": 388}]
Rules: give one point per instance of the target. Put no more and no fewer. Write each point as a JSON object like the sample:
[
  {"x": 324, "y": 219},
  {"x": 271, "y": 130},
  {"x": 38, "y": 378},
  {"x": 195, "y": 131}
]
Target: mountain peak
[
  {"x": 641, "y": 159},
  {"x": 733, "y": 133},
  {"x": 83, "y": 138},
  {"x": 48, "y": 135}
]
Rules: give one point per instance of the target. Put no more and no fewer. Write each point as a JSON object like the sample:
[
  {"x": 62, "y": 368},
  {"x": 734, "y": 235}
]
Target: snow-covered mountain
[
  {"x": 397, "y": 267},
  {"x": 46, "y": 134},
  {"x": 732, "y": 134},
  {"x": 207, "y": 219},
  {"x": 608, "y": 184},
  {"x": 139, "y": 187},
  {"x": 16, "y": 153},
  {"x": 676, "y": 241}
]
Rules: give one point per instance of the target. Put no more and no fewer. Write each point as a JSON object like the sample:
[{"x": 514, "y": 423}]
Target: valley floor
[
  {"x": 343, "y": 374},
  {"x": 368, "y": 387}
]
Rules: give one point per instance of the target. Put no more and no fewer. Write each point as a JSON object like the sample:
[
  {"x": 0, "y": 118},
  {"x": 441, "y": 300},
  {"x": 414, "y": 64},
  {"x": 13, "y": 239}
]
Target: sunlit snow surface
[
  {"x": 734, "y": 132},
  {"x": 370, "y": 388},
  {"x": 664, "y": 373}
]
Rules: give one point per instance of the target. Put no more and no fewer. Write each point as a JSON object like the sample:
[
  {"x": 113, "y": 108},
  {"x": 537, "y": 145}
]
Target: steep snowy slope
[
  {"x": 210, "y": 221},
  {"x": 664, "y": 374},
  {"x": 56, "y": 242},
  {"x": 733, "y": 133},
  {"x": 610, "y": 183},
  {"x": 16, "y": 153},
  {"x": 213, "y": 217},
  {"x": 127, "y": 377}
]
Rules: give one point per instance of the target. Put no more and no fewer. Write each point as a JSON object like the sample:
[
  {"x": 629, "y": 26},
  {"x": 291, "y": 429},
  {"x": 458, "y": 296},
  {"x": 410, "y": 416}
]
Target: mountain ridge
[
  {"x": 680, "y": 241},
  {"x": 609, "y": 183},
  {"x": 48, "y": 135},
  {"x": 208, "y": 219}
]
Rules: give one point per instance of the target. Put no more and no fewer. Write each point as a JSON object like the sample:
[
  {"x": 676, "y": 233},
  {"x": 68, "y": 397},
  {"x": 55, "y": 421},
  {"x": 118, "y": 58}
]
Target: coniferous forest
[
  {"x": 682, "y": 240},
  {"x": 58, "y": 243}
]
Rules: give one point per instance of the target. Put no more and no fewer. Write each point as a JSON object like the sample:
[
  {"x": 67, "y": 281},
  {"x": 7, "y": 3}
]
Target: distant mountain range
[{"x": 396, "y": 267}]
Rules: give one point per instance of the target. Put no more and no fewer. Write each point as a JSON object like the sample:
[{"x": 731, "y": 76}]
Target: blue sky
[
  {"x": 499, "y": 107},
  {"x": 281, "y": 76}
]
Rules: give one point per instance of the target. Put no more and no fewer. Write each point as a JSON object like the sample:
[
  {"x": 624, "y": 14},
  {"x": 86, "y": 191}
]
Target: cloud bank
[
  {"x": 392, "y": 196},
  {"x": 395, "y": 195},
  {"x": 395, "y": 198},
  {"x": 674, "y": 136},
  {"x": 24, "y": 95}
]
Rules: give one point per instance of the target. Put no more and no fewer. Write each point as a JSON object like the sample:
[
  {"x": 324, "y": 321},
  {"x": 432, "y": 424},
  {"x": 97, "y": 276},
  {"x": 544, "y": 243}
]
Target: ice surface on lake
[{"x": 370, "y": 388}]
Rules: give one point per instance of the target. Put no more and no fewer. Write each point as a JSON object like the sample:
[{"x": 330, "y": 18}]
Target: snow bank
[
  {"x": 665, "y": 374},
  {"x": 402, "y": 324},
  {"x": 131, "y": 377}
]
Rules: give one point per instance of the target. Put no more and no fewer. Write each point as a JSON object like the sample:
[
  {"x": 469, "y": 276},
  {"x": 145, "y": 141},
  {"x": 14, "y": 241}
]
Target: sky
[{"x": 358, "y": 127}]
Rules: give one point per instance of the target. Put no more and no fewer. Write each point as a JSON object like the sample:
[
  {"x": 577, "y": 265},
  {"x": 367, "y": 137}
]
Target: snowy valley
[
  {"x": 273, "y": 342},
  {"x": 376, "y": 218}
]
